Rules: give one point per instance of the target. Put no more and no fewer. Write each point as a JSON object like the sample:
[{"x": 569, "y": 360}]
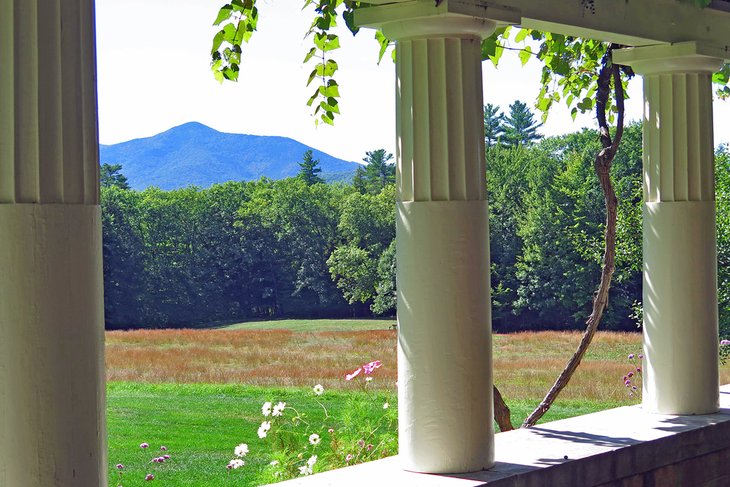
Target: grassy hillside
[{"x": 316, "y": 325}]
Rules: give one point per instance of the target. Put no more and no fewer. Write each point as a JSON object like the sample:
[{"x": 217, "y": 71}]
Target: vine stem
[{"x": 602, "y": 166}]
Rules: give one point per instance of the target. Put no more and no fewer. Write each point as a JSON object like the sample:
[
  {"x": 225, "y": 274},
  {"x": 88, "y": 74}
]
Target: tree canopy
[{"x": 260, "y": 249}]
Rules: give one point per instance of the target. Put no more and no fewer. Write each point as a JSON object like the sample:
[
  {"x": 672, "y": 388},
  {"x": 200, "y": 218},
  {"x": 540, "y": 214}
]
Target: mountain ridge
[{"x": 195, "y": 154}]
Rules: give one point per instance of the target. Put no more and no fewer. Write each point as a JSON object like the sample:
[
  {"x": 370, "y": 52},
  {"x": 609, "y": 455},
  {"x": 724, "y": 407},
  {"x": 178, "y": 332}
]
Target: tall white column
[
  {"x": 52, "y": 427},
  {"x": 444, "y": 323},
  {"x": 680, "y": 257}
]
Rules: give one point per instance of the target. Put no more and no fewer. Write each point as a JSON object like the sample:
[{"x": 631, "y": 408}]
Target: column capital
[
  {"x": 426, "y": 18},
  {"x": 682, "y": 57}
]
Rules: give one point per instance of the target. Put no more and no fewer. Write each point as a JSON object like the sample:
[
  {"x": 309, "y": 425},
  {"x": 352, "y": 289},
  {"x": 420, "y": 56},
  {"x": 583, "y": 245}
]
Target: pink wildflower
[
  {"x": 149, "y": 476},
  {"x": 166, "y": 457},
  {"x": 370, "y": 367},
  {"x": 163, "y": 448},
  {"x": 348, "y": 458},
  {"x": 120, "y": 466},
  {"x": 144, "y": 446},
  {"x": 354, "y": 374}
]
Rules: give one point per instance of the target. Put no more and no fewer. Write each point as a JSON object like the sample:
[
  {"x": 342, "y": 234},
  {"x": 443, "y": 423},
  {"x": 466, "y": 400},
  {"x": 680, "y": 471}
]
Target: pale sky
[{"x": 153, "y": 64}]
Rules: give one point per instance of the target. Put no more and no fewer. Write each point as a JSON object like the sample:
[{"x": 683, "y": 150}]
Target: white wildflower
[
  {"x": 266, "y": 408},
  {"x": 318, "y": 389},
  {"x": 278, "y": 409},
  {"x": 314, "y": 439},
  {"x": 241, "y": 450},
  {"x": 264, "y": 428}
]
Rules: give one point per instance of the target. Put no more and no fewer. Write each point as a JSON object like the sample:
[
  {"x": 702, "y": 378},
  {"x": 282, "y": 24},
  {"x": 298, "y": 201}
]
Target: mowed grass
[
  {"x": 200, "y": 424},
  {"x": 199, "y": 392},
  {"x": 315, "y": 325}
]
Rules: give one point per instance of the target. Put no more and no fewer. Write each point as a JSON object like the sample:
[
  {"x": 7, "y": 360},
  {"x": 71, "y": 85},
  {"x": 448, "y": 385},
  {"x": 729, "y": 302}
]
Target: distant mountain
[{"x": 195, "y": 154}]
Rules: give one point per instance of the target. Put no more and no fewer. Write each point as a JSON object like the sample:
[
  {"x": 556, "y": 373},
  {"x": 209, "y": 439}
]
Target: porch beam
[{"x": 631, "y": 23}]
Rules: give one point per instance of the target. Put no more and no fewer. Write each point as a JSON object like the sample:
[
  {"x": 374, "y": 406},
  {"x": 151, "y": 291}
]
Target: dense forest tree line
[{"x": 301, "y": 248}]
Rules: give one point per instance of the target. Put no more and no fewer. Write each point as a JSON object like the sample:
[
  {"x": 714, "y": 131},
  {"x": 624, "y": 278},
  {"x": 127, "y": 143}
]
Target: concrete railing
[{"x": 618, "y": 447}]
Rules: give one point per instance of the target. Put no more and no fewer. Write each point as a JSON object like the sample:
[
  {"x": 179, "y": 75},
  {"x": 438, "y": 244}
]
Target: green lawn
[
  {"x": 200, "y": 425},
  {"x": 315, "y": 325}
]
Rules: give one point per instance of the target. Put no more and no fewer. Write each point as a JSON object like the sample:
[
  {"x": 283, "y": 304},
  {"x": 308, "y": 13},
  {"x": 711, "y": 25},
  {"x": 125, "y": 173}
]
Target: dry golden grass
[
  {"x": 525, "y": 364},
  {"x": 264, "y": 357}
]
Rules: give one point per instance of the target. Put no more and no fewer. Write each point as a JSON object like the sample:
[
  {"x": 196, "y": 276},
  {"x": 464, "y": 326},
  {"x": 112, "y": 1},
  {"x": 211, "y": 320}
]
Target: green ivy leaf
[
  {"x": 349, "y": 16},
  {"x": 217, "y": 41},
  {"x": 522, "y": 35},
  {"x": 223, "y": 14},
  {"x": 310, "y": 54},
  {"x": 332, "y": 43},
  {"x": 525, "y": 54}
]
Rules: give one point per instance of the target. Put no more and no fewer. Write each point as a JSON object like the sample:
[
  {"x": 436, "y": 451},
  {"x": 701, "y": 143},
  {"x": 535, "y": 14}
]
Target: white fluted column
[
  {"x": 680, "y": 258},
  {"x": 52, "y": 400},
  {"x": 444, "y": 323}
]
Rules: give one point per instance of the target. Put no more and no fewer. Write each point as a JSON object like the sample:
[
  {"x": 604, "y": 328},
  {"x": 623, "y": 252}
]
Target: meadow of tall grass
[{"x": 524, "y": 363}]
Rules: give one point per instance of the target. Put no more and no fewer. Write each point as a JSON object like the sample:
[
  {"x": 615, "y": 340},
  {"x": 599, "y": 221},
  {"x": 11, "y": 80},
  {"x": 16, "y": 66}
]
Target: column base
[
  {"x": 681, "y": 371},
  {"x": 444, "y": 337},
  {"x": 52, "y": 397}
]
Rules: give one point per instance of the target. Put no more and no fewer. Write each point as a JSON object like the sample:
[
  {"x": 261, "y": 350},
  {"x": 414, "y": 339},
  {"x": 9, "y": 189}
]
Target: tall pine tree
[
  {"x": 520, "y": 126},
  {"x": 110, "y": 175},
  {"x": 378, "y": 172},
  {"x": 493, "y": 125},
  {"x": 309, "y": 169}
]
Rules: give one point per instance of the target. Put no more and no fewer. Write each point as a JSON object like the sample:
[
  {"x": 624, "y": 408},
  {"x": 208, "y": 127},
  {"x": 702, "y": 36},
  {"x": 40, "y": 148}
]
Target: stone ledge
[{"x": 591, "y": 450}]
